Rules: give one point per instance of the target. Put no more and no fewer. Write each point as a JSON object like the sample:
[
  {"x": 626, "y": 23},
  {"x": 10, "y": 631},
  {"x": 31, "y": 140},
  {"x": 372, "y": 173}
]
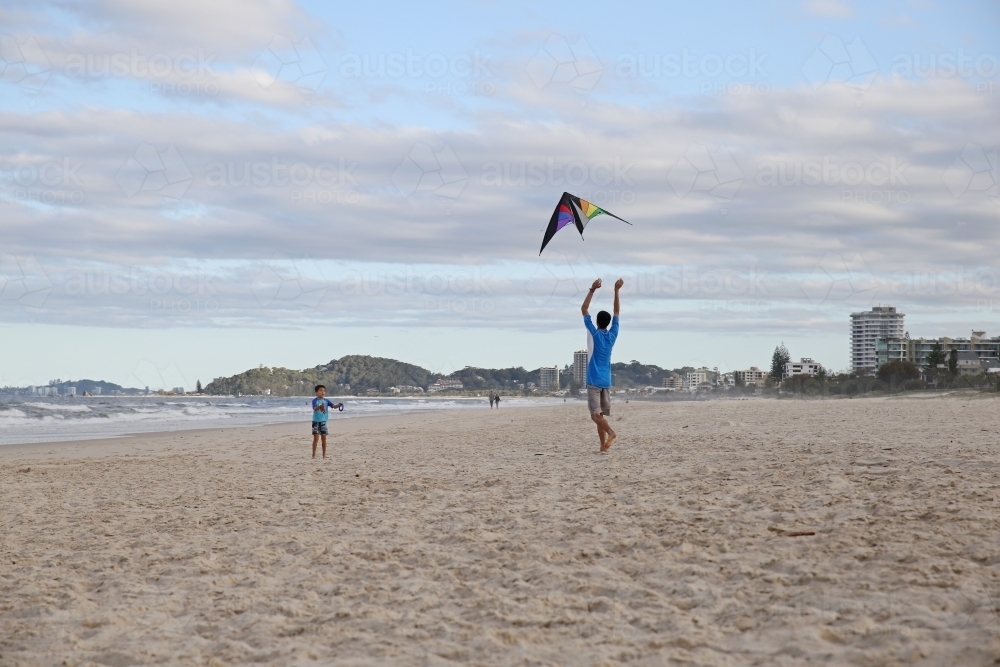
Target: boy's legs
[
  {"x": 315, "y": 442},
  {"x": 599, "y": 402},
  {"x": 324, "y": 445}
]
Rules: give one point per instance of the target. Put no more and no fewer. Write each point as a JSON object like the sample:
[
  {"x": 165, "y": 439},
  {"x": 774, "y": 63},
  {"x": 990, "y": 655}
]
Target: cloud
[
  {"x": 256, "y": 206},
  {"x": 260, "y": 52},
  {"x": 828, "y": 9},
  {"x": 226, "y": 24}
]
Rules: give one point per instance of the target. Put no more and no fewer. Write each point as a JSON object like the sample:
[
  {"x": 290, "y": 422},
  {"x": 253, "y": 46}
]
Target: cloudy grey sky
[{"x": 190, "y": 189}]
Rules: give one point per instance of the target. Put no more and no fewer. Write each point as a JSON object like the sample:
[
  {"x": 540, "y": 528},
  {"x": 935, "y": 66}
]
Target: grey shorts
[
  {"x": 599, "y": 400},
  {"x": 319, "y": 428}
]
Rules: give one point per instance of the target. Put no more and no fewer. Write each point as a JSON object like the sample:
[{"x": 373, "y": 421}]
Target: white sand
[{"x": 502, "y": 538}]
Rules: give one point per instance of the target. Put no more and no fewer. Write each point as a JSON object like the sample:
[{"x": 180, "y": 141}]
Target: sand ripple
[{"x": 726, "y": 533}]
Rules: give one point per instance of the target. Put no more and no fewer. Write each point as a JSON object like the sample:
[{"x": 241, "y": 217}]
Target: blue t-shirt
[
  {"x": 321, "y": 409},
  {"x": 599, "y": 344}
]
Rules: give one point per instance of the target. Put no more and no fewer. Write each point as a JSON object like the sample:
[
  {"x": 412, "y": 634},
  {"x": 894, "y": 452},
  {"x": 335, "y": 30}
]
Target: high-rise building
[
  {"x": 580, "y": 367},
  {"x": 548, "y": 378},
  {"x": 866, "y": 328}
]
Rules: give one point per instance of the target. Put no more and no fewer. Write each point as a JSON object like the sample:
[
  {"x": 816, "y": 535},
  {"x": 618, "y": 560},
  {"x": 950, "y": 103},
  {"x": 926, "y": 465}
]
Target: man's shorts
[
  {"x": 319, "y": 428},
  {"x": 599, "y": 400}
]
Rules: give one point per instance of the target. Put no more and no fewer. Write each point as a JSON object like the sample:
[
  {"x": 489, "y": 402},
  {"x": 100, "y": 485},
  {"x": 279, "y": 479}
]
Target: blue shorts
[{"x": 319, "y": 428}]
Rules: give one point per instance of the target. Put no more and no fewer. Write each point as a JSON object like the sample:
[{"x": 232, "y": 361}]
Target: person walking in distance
[{"x": 600, "y": 340}]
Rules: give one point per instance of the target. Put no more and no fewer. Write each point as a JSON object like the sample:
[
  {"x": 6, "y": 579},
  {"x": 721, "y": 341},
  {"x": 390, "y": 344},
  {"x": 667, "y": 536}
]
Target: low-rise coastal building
[
  {"x": 753, "y": 375},
  {"x": 804, "y": 366},
  {"x": 674, "y": 382},
  {"x": 694, "y": 378},
  {"x": 443, "y": 384},
  {"x": 915, "y": 350}
]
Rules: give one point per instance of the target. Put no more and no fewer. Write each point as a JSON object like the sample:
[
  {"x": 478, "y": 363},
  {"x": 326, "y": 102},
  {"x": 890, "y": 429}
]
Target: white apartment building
[
  {"x": 445, "y": 383},
  {"x": 694, "y": 378},
  {"x": 916, "y": 350},
  {"x": 866, "y": 328},
  {"x": 805, "y": 366},
  {"x": 752, "y": 376},
  {"x": 580, "y": 367},
  {"x": 548, "y": 378}
]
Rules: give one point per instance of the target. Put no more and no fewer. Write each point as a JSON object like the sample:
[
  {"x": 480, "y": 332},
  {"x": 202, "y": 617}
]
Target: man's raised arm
[
  {"x": 585, "y": 309},
  {"x": 618, "y": 303}
]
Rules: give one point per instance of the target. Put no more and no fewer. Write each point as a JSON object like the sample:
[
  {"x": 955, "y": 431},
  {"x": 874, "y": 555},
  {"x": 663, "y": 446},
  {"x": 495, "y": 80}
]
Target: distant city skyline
[{"x": 192, "y": 190}]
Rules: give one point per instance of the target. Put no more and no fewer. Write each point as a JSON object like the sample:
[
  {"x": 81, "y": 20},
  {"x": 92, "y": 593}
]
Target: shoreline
[
  {"x": 260, "y": 411},
  {"x": 135, "y": 442}
]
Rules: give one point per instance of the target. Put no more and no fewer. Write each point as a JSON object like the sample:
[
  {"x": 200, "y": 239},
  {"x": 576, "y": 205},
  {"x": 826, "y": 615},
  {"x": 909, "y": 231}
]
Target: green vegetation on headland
[
  {"x": 360, "y": 374},
  {"x": 354, "y": 374}
]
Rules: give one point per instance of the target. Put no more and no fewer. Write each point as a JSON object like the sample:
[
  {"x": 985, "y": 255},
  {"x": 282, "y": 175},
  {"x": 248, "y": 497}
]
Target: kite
[{"x": 574, "y": 210}]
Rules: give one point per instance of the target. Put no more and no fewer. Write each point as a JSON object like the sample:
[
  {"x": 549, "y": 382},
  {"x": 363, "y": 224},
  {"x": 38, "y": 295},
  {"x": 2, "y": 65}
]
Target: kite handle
[{"x": 341, "y": 408}]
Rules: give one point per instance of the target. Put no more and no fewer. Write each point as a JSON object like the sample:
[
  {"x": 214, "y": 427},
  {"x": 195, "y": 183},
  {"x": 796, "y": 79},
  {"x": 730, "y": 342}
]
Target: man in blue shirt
[{"x": 600, "y": 340}]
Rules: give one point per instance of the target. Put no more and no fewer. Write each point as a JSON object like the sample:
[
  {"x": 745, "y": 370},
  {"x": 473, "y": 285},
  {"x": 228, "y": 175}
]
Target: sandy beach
[{"x": 754, "y": 532}]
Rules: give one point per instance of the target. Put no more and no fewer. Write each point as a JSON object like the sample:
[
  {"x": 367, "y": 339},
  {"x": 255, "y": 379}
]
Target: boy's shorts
[
  {"x": 599, "y": 400},
  {"x": 319, "y": 428}
]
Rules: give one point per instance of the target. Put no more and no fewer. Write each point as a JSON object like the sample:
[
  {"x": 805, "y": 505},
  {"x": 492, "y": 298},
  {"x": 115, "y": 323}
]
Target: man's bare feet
[{"x": 607, "y": 443}]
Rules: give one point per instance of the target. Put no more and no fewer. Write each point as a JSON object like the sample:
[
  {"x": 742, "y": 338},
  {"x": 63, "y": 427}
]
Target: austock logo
[
  {"x": 427, "y": 170},
  {"x": 974, "y": 170},
  {"x": 299, "y": 65},
  {"x": 558, "y": 61},
  {"x": 835, "y": 62},
  {"x": 706, "y": 171},
  {"x": 148, "y": 170},
  {"x": 23, "y": 64},
  {"x": 283, "y": 281},
  {"x": 23, "y": 282},
  {"x": 840, "y": 279}
]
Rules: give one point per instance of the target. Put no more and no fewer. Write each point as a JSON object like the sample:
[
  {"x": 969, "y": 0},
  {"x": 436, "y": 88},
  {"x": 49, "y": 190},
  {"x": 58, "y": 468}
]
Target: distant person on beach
[
  {"x": 321, "y": 412},
  {"x": 600, "y": 340},
  {"x": 493, "y": 397},
  {"x": 497, "y": 399}
]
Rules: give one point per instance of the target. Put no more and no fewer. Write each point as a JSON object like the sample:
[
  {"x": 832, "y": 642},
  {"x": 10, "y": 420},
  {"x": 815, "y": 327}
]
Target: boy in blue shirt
[
  {"x": 321, "y": 412},
  {"x": 600, "y": 341}
]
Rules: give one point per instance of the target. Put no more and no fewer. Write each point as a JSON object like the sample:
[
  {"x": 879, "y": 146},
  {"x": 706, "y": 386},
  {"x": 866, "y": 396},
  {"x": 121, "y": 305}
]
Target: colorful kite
[{"x": 575, "y": 210}]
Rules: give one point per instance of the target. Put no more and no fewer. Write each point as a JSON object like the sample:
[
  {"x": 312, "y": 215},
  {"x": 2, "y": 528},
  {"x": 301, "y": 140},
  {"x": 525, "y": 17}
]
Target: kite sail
[{"x": 572, "y": 209}]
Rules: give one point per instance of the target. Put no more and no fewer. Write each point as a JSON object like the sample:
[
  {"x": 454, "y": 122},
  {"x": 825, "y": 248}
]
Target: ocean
[{"x": 50, "y": 419}]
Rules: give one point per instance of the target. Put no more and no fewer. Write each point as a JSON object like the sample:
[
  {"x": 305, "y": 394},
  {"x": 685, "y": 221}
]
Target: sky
[{"x": 191, "y": 189}]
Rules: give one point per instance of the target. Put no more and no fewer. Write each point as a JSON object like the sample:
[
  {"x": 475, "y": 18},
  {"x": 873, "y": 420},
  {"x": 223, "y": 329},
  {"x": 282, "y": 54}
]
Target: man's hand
[
  {"x": 585, "y": 308},
  {"x": 618, "y": 303},
  {"x": 618, "y": 285}
]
